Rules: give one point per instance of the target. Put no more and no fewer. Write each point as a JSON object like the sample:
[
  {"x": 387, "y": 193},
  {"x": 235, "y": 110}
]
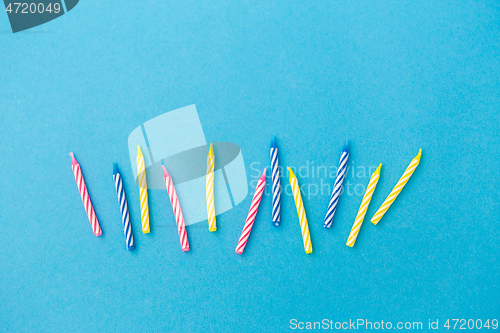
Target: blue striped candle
[
  {"x": 276, "y": 183},
  {"x": 334, "y": 199},
  {"x": 122, "y": 200}
]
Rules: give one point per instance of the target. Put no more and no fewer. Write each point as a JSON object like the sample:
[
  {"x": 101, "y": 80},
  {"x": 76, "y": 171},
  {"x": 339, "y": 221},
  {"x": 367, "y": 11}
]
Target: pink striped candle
[
  {"x": 254, "y": 207},
  {"x": 181, "y": 226},
  {"x": 82, "y": 188}
]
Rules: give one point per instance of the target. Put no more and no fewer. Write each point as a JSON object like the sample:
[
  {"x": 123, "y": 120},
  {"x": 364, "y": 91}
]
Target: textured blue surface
[{"x": 392, "y": 77}]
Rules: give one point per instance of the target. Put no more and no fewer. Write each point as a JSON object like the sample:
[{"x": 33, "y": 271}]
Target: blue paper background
[{"x": 391, "y": 76}]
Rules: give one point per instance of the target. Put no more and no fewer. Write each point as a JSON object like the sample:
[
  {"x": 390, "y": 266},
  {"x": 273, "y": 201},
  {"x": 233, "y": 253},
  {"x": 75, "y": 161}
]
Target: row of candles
[{"x": 254, "y": 206}]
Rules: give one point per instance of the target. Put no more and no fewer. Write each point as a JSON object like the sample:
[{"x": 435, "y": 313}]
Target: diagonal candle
[
  {"x": 276, "y": 183},
  {"x": 364, "y": 207},
  {"x": 181, "y": 226},
  {"x": 143, "y": 187},
  {"x": 254, "y": 207},
  {"x": 334, "y": 199},
  {"x": 304, "y": 227},
  {"x": 212, "y": 225},
  {"x": 122, "y": 200},
  {"x": 82, "y": 188},
  {"x": 397, "y": 189}
]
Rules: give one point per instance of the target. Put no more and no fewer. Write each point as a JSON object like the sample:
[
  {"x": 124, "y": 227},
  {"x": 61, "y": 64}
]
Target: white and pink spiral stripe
[
  {"x": 254, "y": 207},
  {"x": 181, "y": 226},
  {"x": 82, "y": 188}
]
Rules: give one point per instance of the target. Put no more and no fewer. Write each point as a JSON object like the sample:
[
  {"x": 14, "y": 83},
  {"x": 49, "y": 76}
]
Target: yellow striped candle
[
  {"x": 397, "y": 189},
  {"x": 212, "y": 225},
  {"x": 364, "y": 207},
  {"x": 143, "y": 187},
  {"x": 300, "y": 212}
]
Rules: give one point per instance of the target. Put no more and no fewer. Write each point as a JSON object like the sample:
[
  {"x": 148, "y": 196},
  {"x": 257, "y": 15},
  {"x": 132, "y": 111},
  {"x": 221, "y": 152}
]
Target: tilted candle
[
  {"x": 143, "y": 189},
  {"x": 397, "y": 189},
  {"x": 304, "y": 227},
  {"x": 364, "y": 207}
]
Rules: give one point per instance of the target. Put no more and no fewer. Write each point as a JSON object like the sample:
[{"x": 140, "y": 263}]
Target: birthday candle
[
  {"x": 337, "y": 187},
  {"x": 276, "y": 183},
  {"x": 143, "y": 188},
  {"x": 212, "y": 226},
  {"x": 179, "y": 218},
  {"x": 397, "y": 189},
  {"x": 122, "y": 200},
  {"x": 364, "y": 207},
  {"x": 304, "y": 227},
  {"x": 77, "y": 171},
  {"x": 254, "y": 207}
]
